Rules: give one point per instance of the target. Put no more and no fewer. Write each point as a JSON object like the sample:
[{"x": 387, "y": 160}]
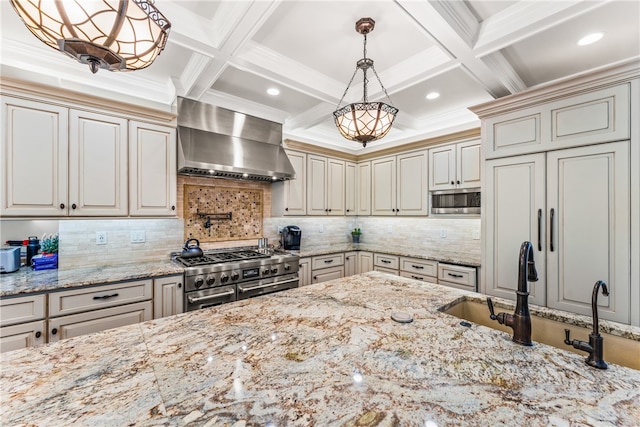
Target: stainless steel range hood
[{"x": 219, "y": 143}]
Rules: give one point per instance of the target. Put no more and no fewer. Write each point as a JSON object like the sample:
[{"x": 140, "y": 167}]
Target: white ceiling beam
[{"x": 526, "y": 18}]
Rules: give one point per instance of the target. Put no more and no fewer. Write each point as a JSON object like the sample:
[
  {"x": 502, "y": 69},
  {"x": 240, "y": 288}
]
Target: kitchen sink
[{"x": 618, "y": 350}]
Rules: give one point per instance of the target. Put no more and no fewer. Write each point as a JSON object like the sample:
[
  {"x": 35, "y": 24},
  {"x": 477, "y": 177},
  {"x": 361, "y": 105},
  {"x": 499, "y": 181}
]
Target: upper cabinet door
[
  {"x": 335, "y": 186},
  {"x": 468, "y": 164},
  {"x": 316, "y": 185},
  {"x": 364, "y": 189},
  {"x": 97, "y": 165},
  {"x": 351, "y": 188},
  {"x": 295, "y": 190},
  {"x": 153, "y": 170},
  {"x": 34, "y": 158},
  {"x": 442, "y": 167},
  {"x": 412, "y": 184},
  {"x": 383, "y": 199}
]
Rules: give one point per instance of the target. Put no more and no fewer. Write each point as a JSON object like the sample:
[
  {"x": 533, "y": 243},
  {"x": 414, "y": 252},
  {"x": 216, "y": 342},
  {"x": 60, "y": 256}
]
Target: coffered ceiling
[{"x": 228, "y": 53}]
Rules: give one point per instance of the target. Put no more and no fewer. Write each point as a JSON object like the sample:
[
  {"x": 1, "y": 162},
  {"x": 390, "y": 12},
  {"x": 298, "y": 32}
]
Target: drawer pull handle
[
  {"x": 419, "y": 267},
  {"x": 455, "y": 275},
  {"x": 328, "y": 261},
  {"x": 386, "y": 261},
  {"x": 105, "y": 296},
  {"x": 417, "y": 277}
]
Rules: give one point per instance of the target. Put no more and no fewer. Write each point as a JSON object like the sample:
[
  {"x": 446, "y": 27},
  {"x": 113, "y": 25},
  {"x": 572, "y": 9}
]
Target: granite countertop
[
  {"x": 325, "y": 354},
  {"x": 26, "y": 280}
]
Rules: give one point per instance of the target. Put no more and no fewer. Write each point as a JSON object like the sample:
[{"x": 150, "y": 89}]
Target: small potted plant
[{"x": 355, "y": 235}]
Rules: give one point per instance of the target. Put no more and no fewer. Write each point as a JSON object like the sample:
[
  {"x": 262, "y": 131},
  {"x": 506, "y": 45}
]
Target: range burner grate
[{"x": 221, "y": 257}]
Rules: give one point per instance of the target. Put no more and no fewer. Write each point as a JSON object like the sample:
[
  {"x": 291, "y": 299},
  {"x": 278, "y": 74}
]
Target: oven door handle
[
  {"x": 242, "y": 289},
  {"x": 208, "y": 297}
]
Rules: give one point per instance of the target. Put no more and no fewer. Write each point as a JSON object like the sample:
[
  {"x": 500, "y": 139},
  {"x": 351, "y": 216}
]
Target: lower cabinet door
[
  {"x": 98, "y": 320},
  {"x": 20, "y": 336},
  {"x": 168, "y": 296},
  {"x": 327, "y": 274},
  {"x": 304, "y": 271}
]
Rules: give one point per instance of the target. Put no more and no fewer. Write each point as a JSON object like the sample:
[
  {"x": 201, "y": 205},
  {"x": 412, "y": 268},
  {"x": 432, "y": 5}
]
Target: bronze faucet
[
  {"x": 595, "y": 345},
  {"x": 520, "y": 320}
]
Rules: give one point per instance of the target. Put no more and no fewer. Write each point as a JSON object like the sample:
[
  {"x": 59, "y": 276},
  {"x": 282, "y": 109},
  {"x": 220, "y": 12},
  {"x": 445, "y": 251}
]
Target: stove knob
[
  {"x": 211, "y": 280},
  {"x": 274, "y": 270},
  {"x": 234, "y": 275},
  {"x": 224, "y": 278},
  {"x": 265, "y": 271},
  {"x": 199, "y": 282},
  {"x": 287, "y": 267}
]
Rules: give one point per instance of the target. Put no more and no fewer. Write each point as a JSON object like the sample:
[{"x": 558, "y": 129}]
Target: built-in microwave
[{"x": 457, "y": 201}]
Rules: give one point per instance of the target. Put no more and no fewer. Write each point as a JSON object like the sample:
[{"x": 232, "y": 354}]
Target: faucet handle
[
  {"x": 567, "y": 334},
  {"x": 490, "y": 304}
]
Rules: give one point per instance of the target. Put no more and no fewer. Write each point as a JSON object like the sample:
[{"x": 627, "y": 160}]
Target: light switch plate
[
  {"x": 476, "y": 234},
  {"x": 137, "y": 236}
]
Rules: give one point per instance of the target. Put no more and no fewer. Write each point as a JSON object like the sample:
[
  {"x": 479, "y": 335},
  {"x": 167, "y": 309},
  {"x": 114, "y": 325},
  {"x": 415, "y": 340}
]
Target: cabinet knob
[
  {"x": 73, "y": 206},
  {"x": 458, "y": 182},
  {"x": 54, "y": 331},
  {"x": 38, "y": 334},
  {"x": 452, "y": 182},
  {"x": 173, "y": 207},
  {"x": 61, "y": 205},
  {"x": 326, "y": 210},
  {"x": 347, "y": 210},
  {"x": 179, "y": 285},
  {"x": 286, "y": 209},
  {"x": 315, "y": 277},
  {"x": 329, "y": 210}
]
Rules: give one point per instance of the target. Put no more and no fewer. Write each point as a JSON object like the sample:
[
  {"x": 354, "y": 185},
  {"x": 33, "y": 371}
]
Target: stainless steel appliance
[
  {"x": 9, "y": 259},
  {"x": 226, "y": 275},
  {"x": 458, "y": 201},
  {"x": 291, "y": 235}
]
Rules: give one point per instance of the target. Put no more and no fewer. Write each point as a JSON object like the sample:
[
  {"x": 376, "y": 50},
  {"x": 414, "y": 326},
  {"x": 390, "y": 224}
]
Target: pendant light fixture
[
  {"x": 116, "y": 35},
  {"x": 365, "y": 121}
]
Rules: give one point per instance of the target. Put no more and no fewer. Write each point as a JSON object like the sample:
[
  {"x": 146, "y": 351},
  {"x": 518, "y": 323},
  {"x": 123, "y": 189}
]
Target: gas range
[{"x": 226, "y": 275}]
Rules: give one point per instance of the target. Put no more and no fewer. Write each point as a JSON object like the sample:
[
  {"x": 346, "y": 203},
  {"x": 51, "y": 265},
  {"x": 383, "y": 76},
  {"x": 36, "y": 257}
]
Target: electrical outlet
[
  {"x": 443, "y": 233},
  {"x": 137, "y": 236},
  {"x": 476, "y": 235},
  {"x": 101, "y": 237},
  {"x": 321, "y": 228}
]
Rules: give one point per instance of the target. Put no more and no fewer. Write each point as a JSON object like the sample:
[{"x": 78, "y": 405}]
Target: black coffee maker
[{"x": 291, "y": 235}]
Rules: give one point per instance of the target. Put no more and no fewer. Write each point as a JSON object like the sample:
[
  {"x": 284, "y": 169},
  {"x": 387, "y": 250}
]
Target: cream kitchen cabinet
[
  {"x": 60, "y": 161},
  {"x": 350, "y": 263},
  {"x": 304, "y": 271},
  {"x": 399, "y": 184},
  {"x": 91, "y": 309},
  {"x": 573, "y": 205},
  {"x": 457, "y": 276},
  {"x": 386, "y": 263},
  {"x": 290, "y": 197},
  {"x": 365, "y": 261},
  {"x": 327, "y": 267},
  {"x": 168, "y": 296},
  {"x": 351, "y": 189},
  {"x": 419, "y": 269},
  {"x": 585, "y": 118},
  {"x": 455, "y": 166},
  {"x": 363, "y": 204},
  {"x": 22, "y": 322},
  {"x": 152, "y": 164},
  {"x": 325, "y": 185}
]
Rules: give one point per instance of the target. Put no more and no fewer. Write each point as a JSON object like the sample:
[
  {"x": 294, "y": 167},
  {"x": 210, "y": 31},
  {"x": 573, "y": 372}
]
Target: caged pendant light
[
  {"x": 116, "y": 35},
  {"x": 364, "y": 121}
]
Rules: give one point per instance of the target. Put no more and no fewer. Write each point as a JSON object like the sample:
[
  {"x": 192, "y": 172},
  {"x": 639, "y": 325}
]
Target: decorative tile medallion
[{"x": 214, "y": 213}]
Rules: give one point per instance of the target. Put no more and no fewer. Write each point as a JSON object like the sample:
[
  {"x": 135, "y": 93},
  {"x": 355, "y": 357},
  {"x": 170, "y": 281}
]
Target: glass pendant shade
[
  {"x": 110, "y": 34},
  {"x": 364, "y": 121}
]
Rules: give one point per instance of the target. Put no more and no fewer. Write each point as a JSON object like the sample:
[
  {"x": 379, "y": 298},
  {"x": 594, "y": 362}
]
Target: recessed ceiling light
[
  {"x": 273, "y": 91},
  {"x": 432, "y": 95},
  {"x": 590, "y": 38}
]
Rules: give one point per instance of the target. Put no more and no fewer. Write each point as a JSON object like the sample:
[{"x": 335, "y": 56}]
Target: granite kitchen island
[{"x": 325, "y": 354}]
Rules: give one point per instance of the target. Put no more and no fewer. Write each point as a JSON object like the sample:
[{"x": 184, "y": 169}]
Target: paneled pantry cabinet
[
  {"x": 564, "y": 175},
  {"x": 66, "y": 160}
]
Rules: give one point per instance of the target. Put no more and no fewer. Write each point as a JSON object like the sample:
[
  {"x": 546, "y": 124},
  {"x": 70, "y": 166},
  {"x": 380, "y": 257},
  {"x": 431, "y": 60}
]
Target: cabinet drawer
[
  {"x": 464, "y": 276},
  {"x": 22, "y": 336},
  {"x": 420, "y": 267},
  {"x": 386, "y": 261},
  {"x": 327, "y": 274},
  {"x": 95, "y": 298},
  {"x": 385, "y": 270},
  {"x": 22, "y": 309},
  {"x": 98, "y": 320},
  {"x": 418, "y": 276},
  {"x": 324, "y": 261}
]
